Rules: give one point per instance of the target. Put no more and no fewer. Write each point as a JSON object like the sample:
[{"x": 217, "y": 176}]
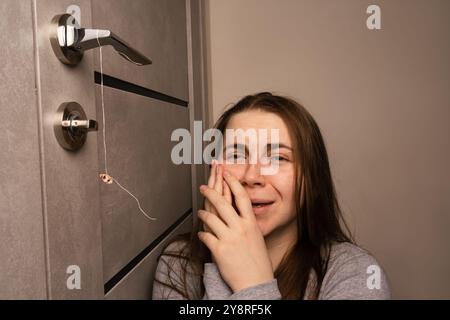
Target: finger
[
  {"x": 214, "y": 223},
  {"x": 227, "y": 192},
  {"x": 206, "y": 205},
  {"x": 211, "y": 183},
  {"x": 243, "y": 202},
  {"x": 218, "y": 185},
  {"x": 224, "y": 209},
  {"x": 208, "y": 239},
  {"x": 212, "y": 175},
  {"x": 204, "y": 226}
]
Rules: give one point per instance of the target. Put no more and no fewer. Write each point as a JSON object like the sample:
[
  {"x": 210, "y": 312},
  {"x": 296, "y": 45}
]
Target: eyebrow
[{"x": 270, "y": 146}]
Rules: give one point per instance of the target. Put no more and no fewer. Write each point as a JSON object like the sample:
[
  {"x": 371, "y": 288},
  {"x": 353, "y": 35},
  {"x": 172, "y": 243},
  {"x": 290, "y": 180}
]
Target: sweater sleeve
[
  {"x": 353, "y": 274},
  {"x": 217, "y": 289}
]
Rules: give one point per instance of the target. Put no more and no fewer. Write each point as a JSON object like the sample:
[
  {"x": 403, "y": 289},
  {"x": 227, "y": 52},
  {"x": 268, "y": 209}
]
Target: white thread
[
  {"x": 103, "y": 101},
  {"x": 104, "y": 134}
]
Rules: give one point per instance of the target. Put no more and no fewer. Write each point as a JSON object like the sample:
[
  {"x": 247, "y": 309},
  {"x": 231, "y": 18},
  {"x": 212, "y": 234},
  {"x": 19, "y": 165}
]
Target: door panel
[
  {"x": 138, "y": 131},
  {"x": 70, "y": 180},
  {"x": 138, "y": 283},
  {"x": 22, "y": 263},
  {"x": 156, "y": 28}
]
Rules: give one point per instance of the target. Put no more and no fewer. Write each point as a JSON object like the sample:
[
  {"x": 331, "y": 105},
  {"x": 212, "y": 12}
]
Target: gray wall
[{"x": 382, "y": 101}]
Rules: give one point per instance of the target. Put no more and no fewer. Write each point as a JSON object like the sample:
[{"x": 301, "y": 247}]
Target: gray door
[{"x": 60, "y": 218}]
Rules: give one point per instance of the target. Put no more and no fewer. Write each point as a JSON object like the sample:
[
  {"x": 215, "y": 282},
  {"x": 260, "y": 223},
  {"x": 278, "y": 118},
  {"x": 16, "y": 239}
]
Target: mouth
[
  {"x": 258, "y": 205},
  {"x": 261, "y": 206}
]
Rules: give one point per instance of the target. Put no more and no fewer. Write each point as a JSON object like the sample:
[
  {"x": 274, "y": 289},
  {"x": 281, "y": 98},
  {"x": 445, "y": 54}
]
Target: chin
[
  {"x": 268, "y": 225},
  {"x": 264, "y": 226}
]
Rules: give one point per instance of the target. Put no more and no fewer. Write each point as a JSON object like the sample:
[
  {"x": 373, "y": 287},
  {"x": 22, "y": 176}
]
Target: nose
[{"x": 252, "y": 175}]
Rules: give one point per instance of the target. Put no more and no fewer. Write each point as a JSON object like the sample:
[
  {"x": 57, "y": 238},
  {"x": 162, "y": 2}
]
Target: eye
[
  {"x": 235, "y": 156},
  {"x": 278, "y": 158}
]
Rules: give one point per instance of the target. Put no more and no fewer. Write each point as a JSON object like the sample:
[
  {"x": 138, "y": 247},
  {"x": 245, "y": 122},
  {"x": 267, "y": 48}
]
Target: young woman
[{"x": 269, "y": 236}]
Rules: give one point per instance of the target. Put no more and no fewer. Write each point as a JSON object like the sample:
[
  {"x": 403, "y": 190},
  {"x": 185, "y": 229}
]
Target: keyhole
[{"x": 74, "y": 131}]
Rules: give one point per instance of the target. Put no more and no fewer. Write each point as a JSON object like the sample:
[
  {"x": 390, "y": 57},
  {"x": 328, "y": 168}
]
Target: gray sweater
[{"x": 352, "y": 274}]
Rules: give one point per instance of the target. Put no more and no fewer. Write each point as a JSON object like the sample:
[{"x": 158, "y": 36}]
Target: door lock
[{"x": 72, "y": 126}]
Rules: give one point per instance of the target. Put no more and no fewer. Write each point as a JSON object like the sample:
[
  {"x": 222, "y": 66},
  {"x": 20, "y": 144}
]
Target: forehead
[{"x": 259, "y": 119}]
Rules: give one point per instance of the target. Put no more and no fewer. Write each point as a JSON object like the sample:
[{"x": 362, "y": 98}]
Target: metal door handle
[{"x": 69, "y": 41}]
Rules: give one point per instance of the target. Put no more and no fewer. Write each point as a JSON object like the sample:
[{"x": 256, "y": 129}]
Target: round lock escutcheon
[
  {"x": 72, "y": 126},
  {"x": 65, "y": 33}
]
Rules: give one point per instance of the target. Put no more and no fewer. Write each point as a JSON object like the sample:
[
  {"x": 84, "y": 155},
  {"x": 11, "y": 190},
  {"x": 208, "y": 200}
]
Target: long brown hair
[{"x": 319, "y": 220}]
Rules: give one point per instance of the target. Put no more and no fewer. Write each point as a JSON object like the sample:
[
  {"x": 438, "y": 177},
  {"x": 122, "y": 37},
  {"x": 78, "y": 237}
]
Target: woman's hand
[
  {"x": 234, "y": 240},
  {"x": 216, "y": 182}
]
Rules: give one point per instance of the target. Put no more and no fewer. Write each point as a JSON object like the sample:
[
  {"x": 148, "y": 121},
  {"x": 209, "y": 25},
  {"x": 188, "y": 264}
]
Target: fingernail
[{"x": 202, "y": 188}]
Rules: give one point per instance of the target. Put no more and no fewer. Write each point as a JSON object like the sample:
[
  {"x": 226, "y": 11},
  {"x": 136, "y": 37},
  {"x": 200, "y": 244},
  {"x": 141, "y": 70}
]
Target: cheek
[
  {"x": 236, "y": 170},
  {"x": 285, "y": 185}
]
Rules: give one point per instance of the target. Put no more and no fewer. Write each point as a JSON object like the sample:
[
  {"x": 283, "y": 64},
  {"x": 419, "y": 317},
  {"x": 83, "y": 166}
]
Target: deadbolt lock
[{"x": 72, "y": 126}]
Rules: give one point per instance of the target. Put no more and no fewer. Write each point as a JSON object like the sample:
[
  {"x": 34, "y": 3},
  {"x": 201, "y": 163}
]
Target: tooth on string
[{"x": 106, "y": 178}]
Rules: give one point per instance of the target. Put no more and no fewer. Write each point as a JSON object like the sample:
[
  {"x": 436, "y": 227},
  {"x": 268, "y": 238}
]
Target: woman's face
[{"x": 276, "y": 191}]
